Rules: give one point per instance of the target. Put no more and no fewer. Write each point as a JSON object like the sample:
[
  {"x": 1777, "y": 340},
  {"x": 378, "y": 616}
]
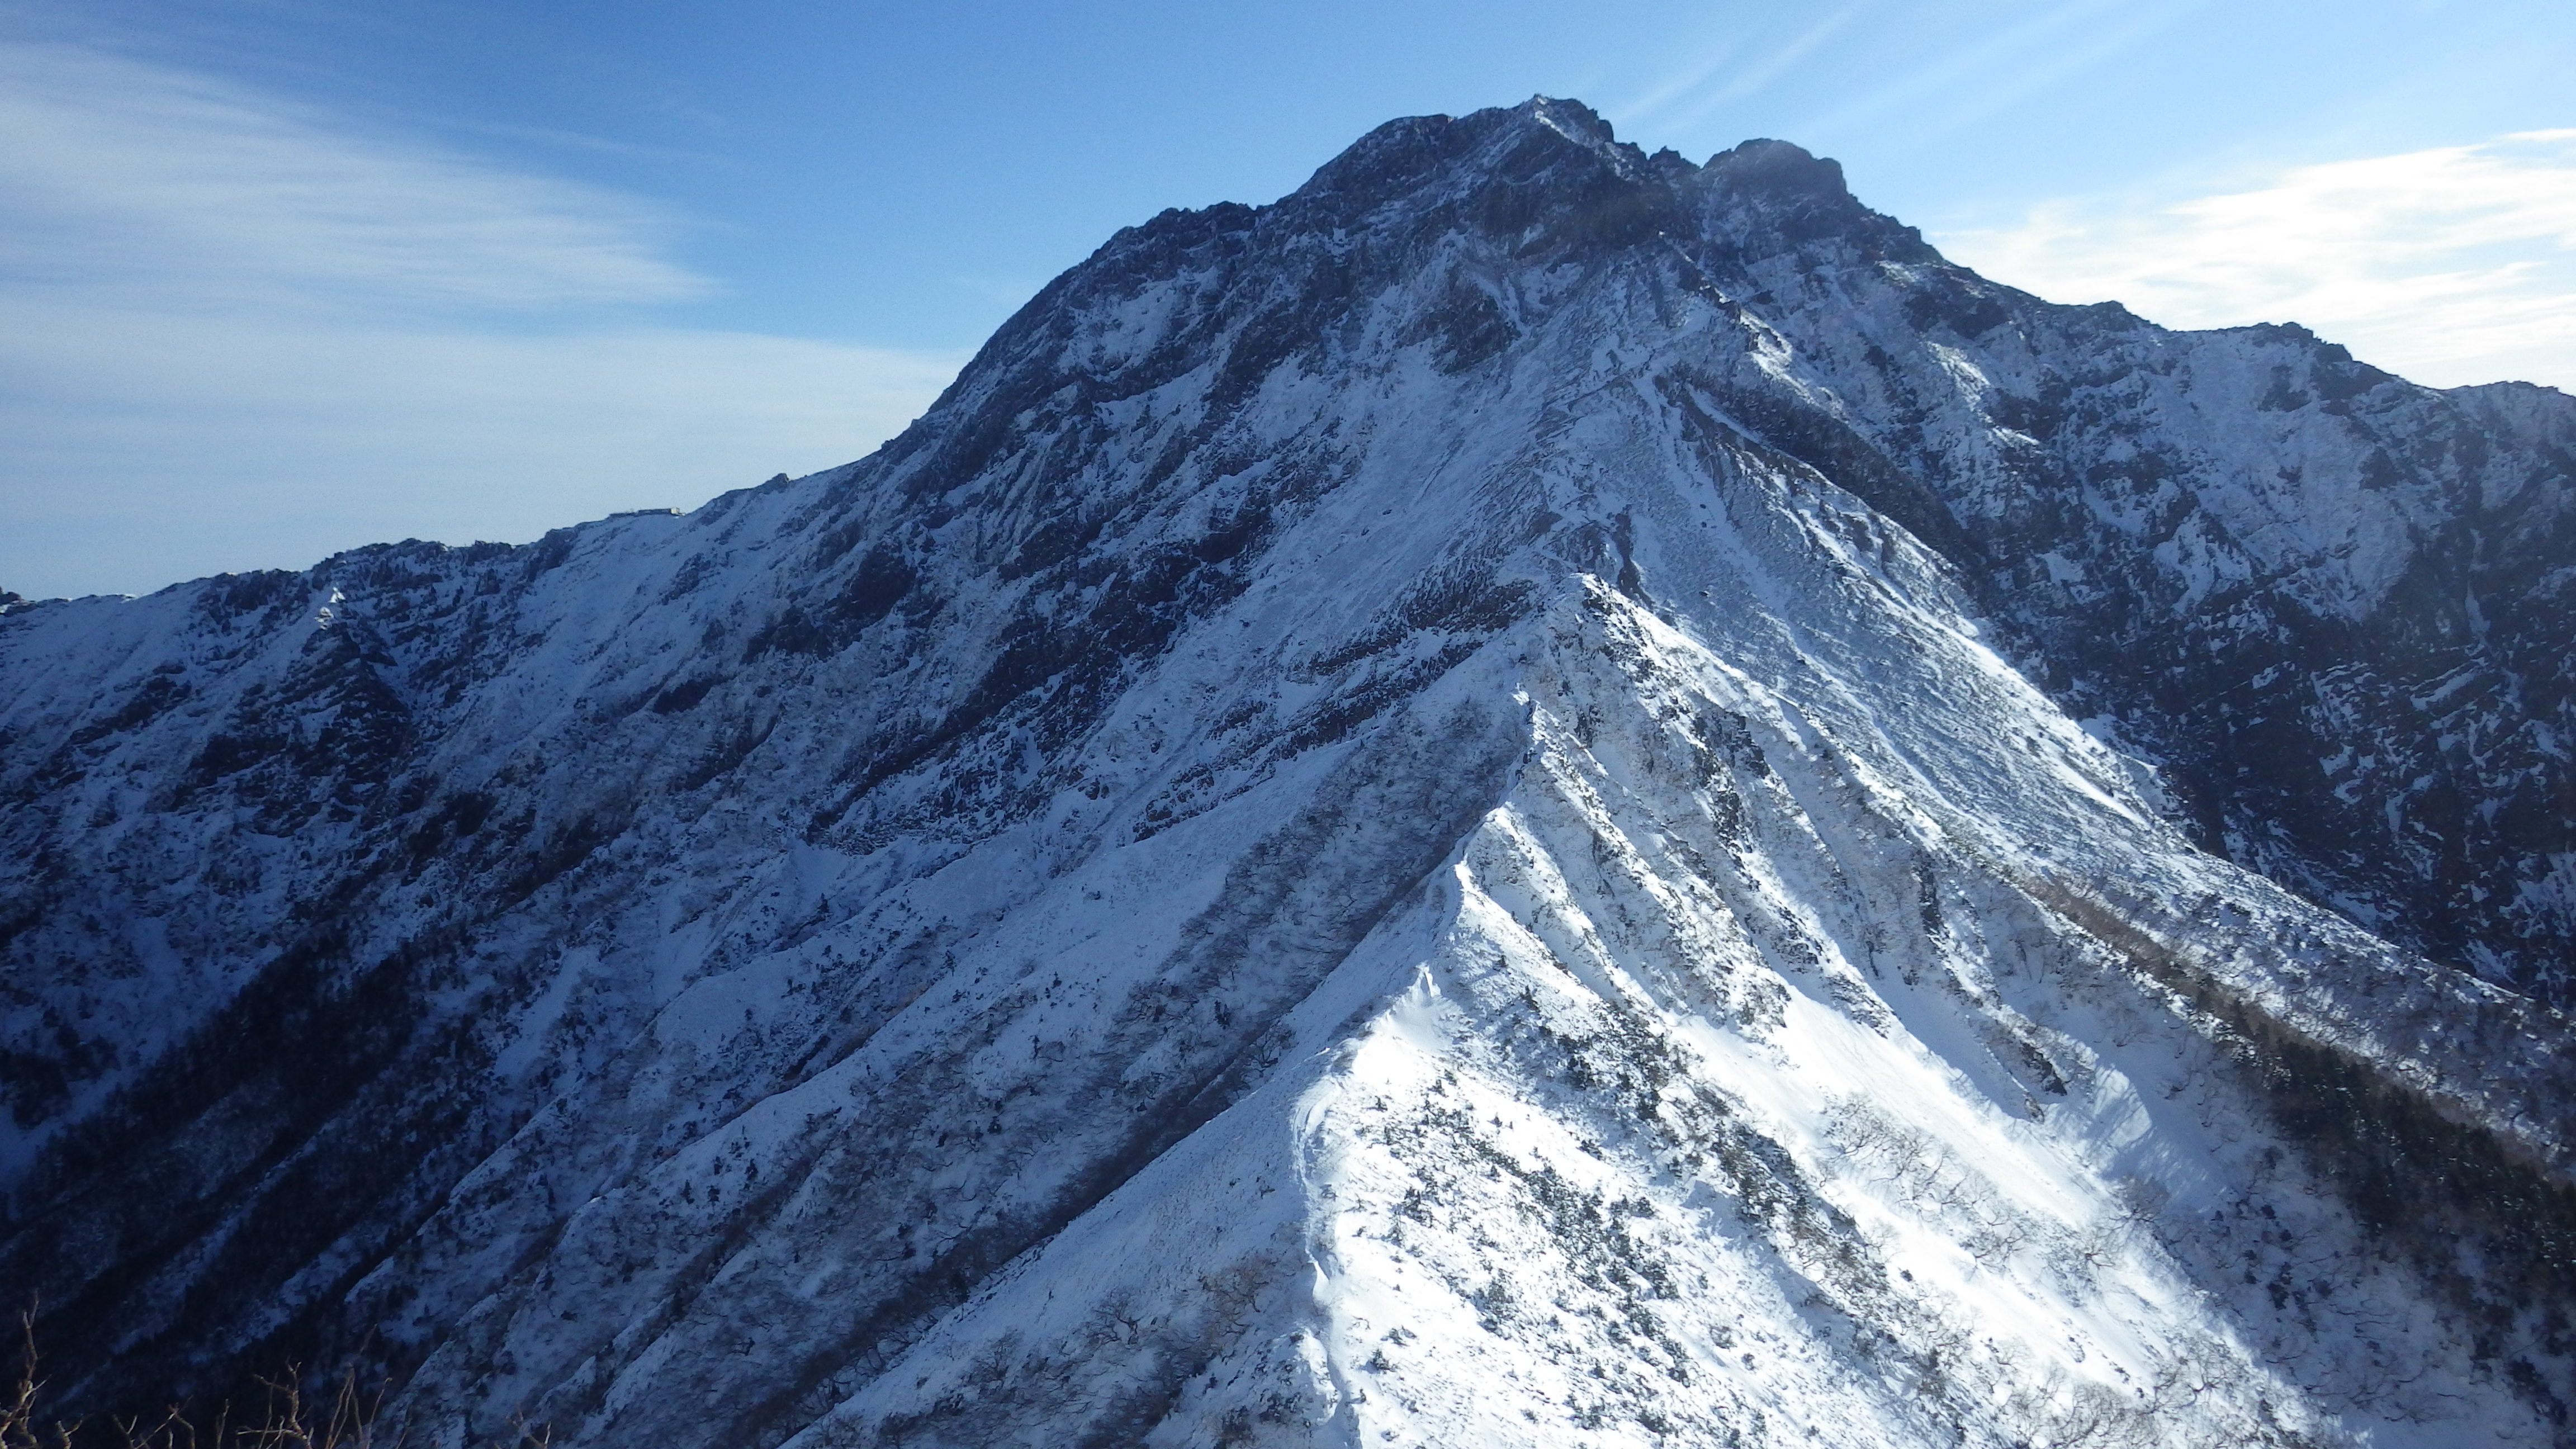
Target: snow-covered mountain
[{"x": 1538, "y": 796}]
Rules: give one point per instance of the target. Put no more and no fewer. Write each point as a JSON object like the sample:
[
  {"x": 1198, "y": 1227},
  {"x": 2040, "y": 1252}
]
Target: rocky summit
[{"x": 1541, "y": 795}]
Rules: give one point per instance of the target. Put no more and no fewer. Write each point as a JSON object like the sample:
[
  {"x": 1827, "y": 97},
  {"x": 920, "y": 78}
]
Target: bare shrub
[{"x": 348, "y": 1419}]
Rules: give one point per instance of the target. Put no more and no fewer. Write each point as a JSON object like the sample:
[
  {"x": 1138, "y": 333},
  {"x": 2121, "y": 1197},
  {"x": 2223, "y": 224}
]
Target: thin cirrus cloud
[
  {"x": 1727, "y": 73},
  {"x": 148, "y": 181},
  {"x": 238, "y": 332},
  {"x": 2450, "y": 266}
]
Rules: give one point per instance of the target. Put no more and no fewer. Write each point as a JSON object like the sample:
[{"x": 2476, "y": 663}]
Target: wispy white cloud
[
  {"x": 1726, "y": 72},
  {"x": 116, "y": 174},
  {"x": 237, "y": 331},
  {"x": 2451, "y": 265},
  {"x": 1949, "y": 88}
]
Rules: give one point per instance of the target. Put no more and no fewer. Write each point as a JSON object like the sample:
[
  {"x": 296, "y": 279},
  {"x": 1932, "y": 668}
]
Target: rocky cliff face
[
  {"x": 2329, "y": 602},
  {"x": 1538, "y": 795}
]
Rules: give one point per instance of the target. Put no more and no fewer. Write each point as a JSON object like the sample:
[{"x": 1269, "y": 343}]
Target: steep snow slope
[
  {"x": 2333, "y": 603},
  {"x": 1408, "y": 817}
]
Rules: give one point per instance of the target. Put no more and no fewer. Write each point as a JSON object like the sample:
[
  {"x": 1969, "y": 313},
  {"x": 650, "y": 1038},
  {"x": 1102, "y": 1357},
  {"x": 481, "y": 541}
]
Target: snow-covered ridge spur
[{"x": 1449, "y": 809}]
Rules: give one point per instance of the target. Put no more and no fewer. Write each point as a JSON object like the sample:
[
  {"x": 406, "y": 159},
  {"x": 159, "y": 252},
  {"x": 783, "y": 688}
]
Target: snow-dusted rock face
[
  {"x": 2334, "y": 605},
  {"x": 1448, "y": 812}
]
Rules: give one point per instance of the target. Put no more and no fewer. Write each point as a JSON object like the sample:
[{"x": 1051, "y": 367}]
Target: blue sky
[{"x": 279, "y": 277}]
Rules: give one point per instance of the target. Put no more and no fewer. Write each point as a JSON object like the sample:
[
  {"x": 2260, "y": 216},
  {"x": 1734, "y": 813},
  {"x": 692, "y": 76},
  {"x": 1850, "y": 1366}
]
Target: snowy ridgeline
[{"x": 1451, "y": 812}]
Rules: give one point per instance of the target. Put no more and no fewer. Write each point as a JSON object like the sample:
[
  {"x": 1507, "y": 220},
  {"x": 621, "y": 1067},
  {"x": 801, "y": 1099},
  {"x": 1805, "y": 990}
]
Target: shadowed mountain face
[{"x": 1538, "y": 795}]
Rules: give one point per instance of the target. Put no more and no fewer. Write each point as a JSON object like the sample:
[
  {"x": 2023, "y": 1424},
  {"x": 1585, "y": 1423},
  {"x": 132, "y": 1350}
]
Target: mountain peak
[
  {"x": 1782, "y": 167},
  {"x": 1553, "y": 168},
  {"x": 1542, "y": 139},
  {"x": 1571, "y": 119}
]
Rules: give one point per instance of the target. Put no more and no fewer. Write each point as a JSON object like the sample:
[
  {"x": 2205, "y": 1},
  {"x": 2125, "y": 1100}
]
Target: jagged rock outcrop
[{"x": 1448, "y": 811}]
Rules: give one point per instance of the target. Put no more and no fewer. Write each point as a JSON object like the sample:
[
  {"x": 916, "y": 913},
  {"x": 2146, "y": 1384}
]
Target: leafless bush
[{"x": 287, "y": 1419}]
